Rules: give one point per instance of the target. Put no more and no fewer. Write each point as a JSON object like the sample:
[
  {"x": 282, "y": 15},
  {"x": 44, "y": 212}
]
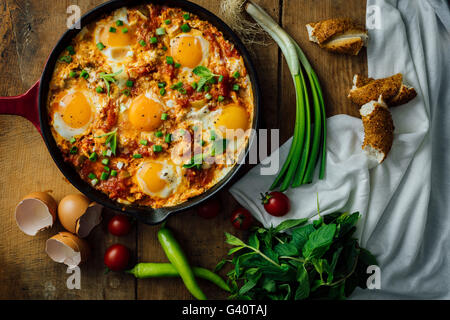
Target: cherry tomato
[
  {"x": 276, "y": 203},
  {"x": 119, "y": 225},
  {"x": 209, "y": 209},
  {"x": 117, "y": 257},
  {"x": 241, "y": 219}
]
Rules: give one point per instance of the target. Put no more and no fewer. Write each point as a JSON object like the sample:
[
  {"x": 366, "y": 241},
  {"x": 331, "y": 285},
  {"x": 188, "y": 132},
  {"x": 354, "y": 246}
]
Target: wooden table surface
[{"x": 28, "y": 31}]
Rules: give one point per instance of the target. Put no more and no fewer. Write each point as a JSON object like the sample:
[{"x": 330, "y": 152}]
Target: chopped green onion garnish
[
  {"x": 206, "y": 88},
  {"x": 162, "y": 91},
  {"x": 72, "y": 140},
  {"x": 104, "y": 153},
  {"x": 119, "y": 23},
  {"x": 105, "y": 162},
  {"x": 167, "y": 21},
  {"x": 157, "y": 148},
  {"x": 104, "y": 176},
  {"x": 72, "y": 74},
  {"x": 164, "y": 48},
  {"x": 137, "y": 156},
  {"x": 73, "y": 150},
  {"x": 84, "y": 74},
  {"x": 99, "y": 89},
  {"x": 130, "y": 83},
  {"x": 161, "y": 84},
  {"x": 220, "y": 78},
  {"x": 177, "y": 85},
  {"x": 220, "y": 98},
  {"x": 158, "y": 134},
  {"x": 125, "y": 30},
  {"x": 236, "y": 74},
  {"x": 113, "y": 173},
  {"x": 169, "y": 60},
  {"x": 100, "y": 46},
  {"x": 94, "y": 181},
  {"x": 182, "y": 90},
  {"x": 177, "y": 65},
  {"x": 126, "y": 92},
  {"x": 194, "y": 85},
  {"x": 106, "y": 169},
  {"x": 160, "y": 31},
  {"x": 236, "y": 87},
  {"x": 142, "y": 43},
  {"x": 67, "y": 59},
  {"x": 92, "y": 176},
  {"x": 164, "y": 116},
  {"x": 93, "y": 156},
  {"x": 185, "y": 28},
  {"x": 168, "y": 138},
  {"x": 213, "y": 135},
  {"x": 153, "y": 40},
  {"x": 186, "y": 16},
  {"x": 112, "y": 29},
  {"x": 71, "y": 50},
  {"x": 143, "y": 142},
  {"x": 208, "y": 96},
  {"x": 202, "y": 143}
]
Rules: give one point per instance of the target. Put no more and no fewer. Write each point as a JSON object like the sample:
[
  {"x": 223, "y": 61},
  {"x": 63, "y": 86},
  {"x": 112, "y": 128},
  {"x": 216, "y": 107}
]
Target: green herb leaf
[
  {"x": 319, "y": 241},
  {"x": 302, "y": 291},
  {"x": 111, "y": 139},
  {"x": 234, "y": 241},
  {"x": 289, "y": 224}
]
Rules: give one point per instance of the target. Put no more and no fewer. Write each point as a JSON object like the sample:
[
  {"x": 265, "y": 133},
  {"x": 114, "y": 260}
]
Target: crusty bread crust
[
  {"x": 391, "y": 89},
  {"x": 378, "y": 130}
]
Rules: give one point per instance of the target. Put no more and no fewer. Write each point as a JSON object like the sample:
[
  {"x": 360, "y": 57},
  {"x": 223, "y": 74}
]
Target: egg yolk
[
  {"x": 119, "y": 38},
  {"x": 149, "y": 175},
  {"x": 145, "y": 114},
  {"x": 187, "y": 50},
  {"x": 75, "y": 110},
  {"x": 233, "y": 117}
]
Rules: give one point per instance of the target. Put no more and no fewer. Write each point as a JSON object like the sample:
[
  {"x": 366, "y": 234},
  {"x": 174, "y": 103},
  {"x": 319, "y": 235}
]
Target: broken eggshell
[
  {"x": 78, "y": 214},
  {"x": 36, "y": 212},
  {"x": 67, "y": 248}
]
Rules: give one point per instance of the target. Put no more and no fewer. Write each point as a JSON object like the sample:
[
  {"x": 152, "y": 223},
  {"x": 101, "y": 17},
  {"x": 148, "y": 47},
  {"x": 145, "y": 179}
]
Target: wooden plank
[
  {"x": 204, "y": 239},
  {"x": 31, "y": 30},
  {"x": 335, "y": 72}
]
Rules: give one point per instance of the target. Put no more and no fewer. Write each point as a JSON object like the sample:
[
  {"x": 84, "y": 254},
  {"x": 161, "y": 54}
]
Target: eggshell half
[
  {"x": 36, "y": 212},
  {"x": 78, "y": 215},
  {"x": 67, "y": 248}
]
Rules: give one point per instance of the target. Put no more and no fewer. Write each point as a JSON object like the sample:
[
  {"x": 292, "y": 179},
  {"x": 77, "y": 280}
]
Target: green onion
[
  {"x": 161, "y": 84},
  {"x": 130, "y": 83},
  {"x": 157, "y": 148},
  {"x": 167, "y": 21},
  {"x": 106, "y": 168},
  {"x": 73, "y": 150},
  {"x": 168, "y": 138},
  {"x": 94, "y": 181},
  {"x": 213, "y": 135},
  {"x": 160, "y": 31},
  {"x": 112, "y": 29},
  {"x": 72, "y": 74},
  {"x": 220, "y": 78},
  {"x": 126, "y": 92},
  {"x": 142, "y": 43},
  {"x": 113, "y": 173},
  {"x": 137, "y": 156},
  {"x": 236, "y": 87},
  {"x": 220, "y": 98},
  {"x": 93, "y": 156},
  {"x": 169, "y": 60},
  {"x": 208, "y": 96},
  {"x": 158, "y": 134},
  {"x": 70, "y": 50},
  {"x": 186, "y": 16},
  {"x": 105, "y": 162},
  {"x": 202, "y": 143},
  {"x": 72, "y": 140},
  {"x": 125, "y": 30},
  {"x": 164, "y": 116},
  {"x": 99, "y": 89},
  {"x": 84, "y": 74},
  {"x": 92, "y": 176},
  {"x": 236, "y": 75},
  {"x": 100, "y": 46},
  {"x": 162, "y": 91},
  {"x": 67, "y": 59},
  {"x": 104, "y": 176},
  {"x": 177, "y": 65},
  {"x": 153, "y": 40},
  {"x": 194, "y": 85},
  {"x": 164, "y": 48},
  {"x": 119, "y": 23},
  {"x": 143, "y": 142},
  {"x": 185, "y": 27}
]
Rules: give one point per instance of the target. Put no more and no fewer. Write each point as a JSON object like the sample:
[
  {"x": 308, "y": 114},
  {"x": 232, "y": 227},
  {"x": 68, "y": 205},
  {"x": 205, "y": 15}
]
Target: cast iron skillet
[{"x": 32, "y": 105}]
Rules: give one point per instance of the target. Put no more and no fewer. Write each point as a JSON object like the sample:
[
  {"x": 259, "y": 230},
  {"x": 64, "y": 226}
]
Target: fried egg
[
  {"x": 144, "y": 112},
  {"x": 117, "y": 37},
  {"x": 189, "y": 49},
  {"x": 158, "y": 178},
  {"x": 73, "y": 113},
  {"x": 232, "y": 117}
]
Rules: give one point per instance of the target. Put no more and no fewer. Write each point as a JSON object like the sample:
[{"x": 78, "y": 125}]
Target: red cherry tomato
[
  {"x": 117, "y": 257},
  {"x": 209, "y": 209},
  {"x": 276, "y": 203},
  {"x": 119, "y": 225},
  {"x": 241, "y": 219}
]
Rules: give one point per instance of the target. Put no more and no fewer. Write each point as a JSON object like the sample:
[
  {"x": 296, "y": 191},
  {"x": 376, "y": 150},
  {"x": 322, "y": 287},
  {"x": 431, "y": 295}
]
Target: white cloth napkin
[{"x": 404, "y": 201}]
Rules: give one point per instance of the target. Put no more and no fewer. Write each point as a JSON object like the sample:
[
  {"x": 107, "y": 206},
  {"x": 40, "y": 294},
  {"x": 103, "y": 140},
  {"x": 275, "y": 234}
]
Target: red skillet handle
[{"x": 25, "y": 105}]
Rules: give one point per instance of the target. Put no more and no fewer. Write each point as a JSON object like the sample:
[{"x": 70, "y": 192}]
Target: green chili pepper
[
  {"x": 178, "y": 259},
  {"x": 159, "y": 270}
]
